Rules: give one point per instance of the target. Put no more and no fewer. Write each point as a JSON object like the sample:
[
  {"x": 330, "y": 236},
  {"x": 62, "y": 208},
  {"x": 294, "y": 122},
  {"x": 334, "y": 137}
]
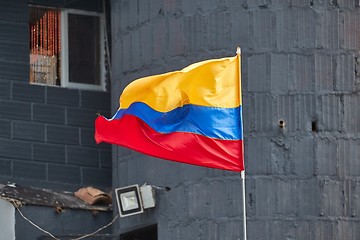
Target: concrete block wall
[
  {"x": 46, "y": 133},
  {"x": 300, "y": 64}
]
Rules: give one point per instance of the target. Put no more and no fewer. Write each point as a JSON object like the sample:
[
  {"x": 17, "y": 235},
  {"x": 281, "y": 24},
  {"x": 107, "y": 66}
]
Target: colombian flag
[{"x": 192, "y": 116}]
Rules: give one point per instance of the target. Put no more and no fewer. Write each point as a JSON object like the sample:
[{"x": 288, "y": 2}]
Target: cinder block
[
  {"x": 328, "y": 27},
  {"x": 282, "y": 77},
  {"x": 82, "y": 156},
  {"x": 48, "y": 153},
  {"x": 308, "y": 198},
  {"x": 258, "y": 73},
  {"x": 349, "y": 154},
  {"x": 285, "y": 190},
  {"x": 305, "y": 28},
  {"x": 280, "y": 161},
  {"x": 253, "y": 229},
  {"x": 8, "y": 11},
  {"x": 230, "y": 229},
  {"x": 189, "y": 7},
  {"x": 349, "y": 229},
  {"x": 28, "y": 131},
  {"x": 332, "y": 197},
  {"x": 199, "y": 200},
  {"x": 303, "y": 166},
  {"x": 257, "y": 3},
  {"x": 62, "y": 134},
  {"x": 194, "y": 32},
  {"x": 95, "y": 100},
  {"x": 62, "y": 96},
  {"x": 282, "y": 229},
  {"x": 15, "y": 110},
  {"x": 330, "y": 113},
  {"x": 15, "y": 149},
  {"x": 262, "y": 112},
  {"x": 64, "y": 173},
  {"x": 218, "y": 30},
  {"x": 136, "y": 49},
  {"x": 10, "y": 29},
  {"x": 285, "y": 28},
  {"x": 258, "y": 162},
  {"x": 210, "y": 230},
  {"x": 307, "y": 113},
  {"x": 144, "y": 10},
  {"x": 156, "y": 8},
  {"x": 133, "y": 13},
  {"x": 145, "y": 41},
  {"x": 160, "y": 39},
  {"x": 210, "y": 5},
  {"x": 188, "y": 231},
  {"x": 349, "y": 30},
  {"x": 324, "y": 74},
  {"x": 304, "y": 75},
  {"x": 96, "y": 177},
  {"x": 48, "y": 113},
  {"x": 353, "y": 195},
  {"x": 27, "y": 92},
  {"x": 8, "y": 48},
  {"x": 263, "y": 29},
  {"x": 176, "y": 37},
  {"x": 263, "y": 197},
  {"x": 125, "y": 56},
  {"x": 142, "y": 167},
  {"x": 193, "y": 173},
  {"x": 351, "y": 123},
  {"x": 347, "y": 4},
  {"x": 87, "y": 138},
  {"x": 218, "y": 173},
  {"x": 123, "y": 17},
  {"x": 304, "y": 228},
  {"x": 5, "y": 128},
  {"x": 345, "y": 73},
  {"x": 326, "y": 156},
  {"x": 116, "y": 60},
  {"x": 105, "y": 158},
  {"x": 18, "y": 71},
  {"x": 4, "y": 89},
  {"x": 248, "y": 124},
  {"x": 326, "y": 229},
  {"x": 239, "y": 28},
  {"x": 178, "y": 202},
  {"x": 288, "y": 111},
  {"x": 29, "y": 170},
  {"x": 5, "y": 167},
  {"x": 80, "y": 117}
]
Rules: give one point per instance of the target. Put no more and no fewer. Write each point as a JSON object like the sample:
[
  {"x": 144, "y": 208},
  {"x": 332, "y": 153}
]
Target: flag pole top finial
[{"x": 238, "y": 50}]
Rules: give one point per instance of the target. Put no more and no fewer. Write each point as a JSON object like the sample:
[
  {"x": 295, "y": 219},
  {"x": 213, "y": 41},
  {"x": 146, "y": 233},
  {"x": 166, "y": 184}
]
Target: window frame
[{"x": 64, "y": 52}]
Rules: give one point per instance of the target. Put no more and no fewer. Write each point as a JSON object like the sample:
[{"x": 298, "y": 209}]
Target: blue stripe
[{"x": 219, "y": 123}]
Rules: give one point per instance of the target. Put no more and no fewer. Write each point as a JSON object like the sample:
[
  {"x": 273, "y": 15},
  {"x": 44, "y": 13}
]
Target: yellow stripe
[{"x": 213, "y": 83}]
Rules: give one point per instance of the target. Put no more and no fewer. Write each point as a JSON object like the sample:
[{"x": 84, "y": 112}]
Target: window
[
  {"x": 146, "y": 233},
  {"x": 67, "y": 48}
]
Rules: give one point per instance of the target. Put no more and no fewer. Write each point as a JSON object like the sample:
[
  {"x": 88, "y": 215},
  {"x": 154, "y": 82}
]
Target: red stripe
[{"x": 131, "y": 132}]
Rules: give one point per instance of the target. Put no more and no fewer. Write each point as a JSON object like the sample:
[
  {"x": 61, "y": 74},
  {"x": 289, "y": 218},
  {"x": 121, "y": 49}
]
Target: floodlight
[{"x": 129, "y": 200}]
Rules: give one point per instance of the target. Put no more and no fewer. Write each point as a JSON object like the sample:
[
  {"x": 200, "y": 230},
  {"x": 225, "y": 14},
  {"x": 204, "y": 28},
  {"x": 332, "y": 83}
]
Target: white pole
[
  {"x": 242, "y": 174},
  {"x": 244, "y": 202}
]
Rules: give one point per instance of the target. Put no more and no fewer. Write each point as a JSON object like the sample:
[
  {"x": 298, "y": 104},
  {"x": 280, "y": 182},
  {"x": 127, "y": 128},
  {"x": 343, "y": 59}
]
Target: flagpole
[
  {"x": 244, "y": 202},
  {"x": 242, "y": 174}
]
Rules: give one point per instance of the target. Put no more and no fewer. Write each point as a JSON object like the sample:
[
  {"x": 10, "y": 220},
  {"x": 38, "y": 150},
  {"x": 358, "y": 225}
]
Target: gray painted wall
[
  {"x": 68, "y": 224},
  {"x": 300, "y": 63},
  {"x": 46, "y": 133}
]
